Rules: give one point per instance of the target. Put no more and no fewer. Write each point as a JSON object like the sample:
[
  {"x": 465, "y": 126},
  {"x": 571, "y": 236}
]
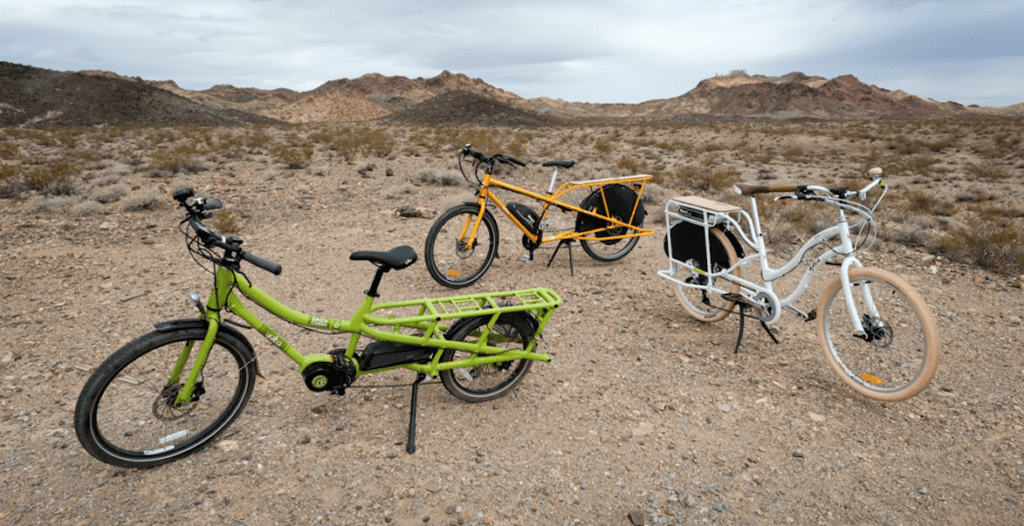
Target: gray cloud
[{"x": 602, "y": 51}]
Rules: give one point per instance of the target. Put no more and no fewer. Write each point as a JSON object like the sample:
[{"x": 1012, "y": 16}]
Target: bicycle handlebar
[
  {"x": 803, "y": 191},
  {"x": 232, "y": 245},
  {"x": 499, "y": 157}
]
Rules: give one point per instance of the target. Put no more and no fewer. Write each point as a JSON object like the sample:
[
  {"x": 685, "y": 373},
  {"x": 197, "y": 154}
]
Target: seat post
[{"x": 376, "y": 281}]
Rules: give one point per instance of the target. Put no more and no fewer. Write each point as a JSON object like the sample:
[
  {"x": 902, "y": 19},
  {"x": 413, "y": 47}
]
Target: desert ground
[{"x": 643, "y": 416}]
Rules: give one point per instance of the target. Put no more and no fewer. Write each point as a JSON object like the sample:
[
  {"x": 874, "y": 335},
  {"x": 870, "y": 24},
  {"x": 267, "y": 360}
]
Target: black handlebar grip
[
  {"x": 512, "y": 160},
  {"x": 269, "y": 266}
]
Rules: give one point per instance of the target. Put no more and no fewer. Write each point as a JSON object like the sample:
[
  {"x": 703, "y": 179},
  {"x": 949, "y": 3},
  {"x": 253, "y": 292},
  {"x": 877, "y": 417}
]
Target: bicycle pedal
[{"x": 813, "y": 315}]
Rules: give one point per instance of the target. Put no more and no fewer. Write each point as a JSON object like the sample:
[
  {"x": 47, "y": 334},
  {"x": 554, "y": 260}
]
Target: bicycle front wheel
[
  {"x": 454, "y": 258},
  {"x": 897, "y": 355},
  {"x": 487, "y": 382},
  {"x": 125, "y": 414}
]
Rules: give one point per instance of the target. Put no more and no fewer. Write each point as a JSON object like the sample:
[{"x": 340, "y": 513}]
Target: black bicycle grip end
[{"x": 269, "y": 266}]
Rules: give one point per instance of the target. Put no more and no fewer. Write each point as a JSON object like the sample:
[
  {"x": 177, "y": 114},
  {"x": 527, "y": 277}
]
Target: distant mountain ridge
[{"x": 40, "y": 97}]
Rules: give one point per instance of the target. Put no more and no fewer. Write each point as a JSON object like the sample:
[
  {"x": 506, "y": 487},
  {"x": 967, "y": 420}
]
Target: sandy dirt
[{"x": 644, "y": 415}]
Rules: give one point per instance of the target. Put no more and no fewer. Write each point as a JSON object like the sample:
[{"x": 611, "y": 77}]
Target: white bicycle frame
[{"x": 763, "y": 295}]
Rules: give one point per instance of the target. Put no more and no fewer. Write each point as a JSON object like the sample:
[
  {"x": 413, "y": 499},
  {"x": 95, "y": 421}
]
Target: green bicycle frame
[{"x": 430, "y": 319}]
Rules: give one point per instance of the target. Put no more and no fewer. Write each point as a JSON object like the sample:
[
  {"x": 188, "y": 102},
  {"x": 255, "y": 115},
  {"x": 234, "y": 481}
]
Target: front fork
[
  {"x": 851, "y": 306},
  {"x": 187, "y": 390}
]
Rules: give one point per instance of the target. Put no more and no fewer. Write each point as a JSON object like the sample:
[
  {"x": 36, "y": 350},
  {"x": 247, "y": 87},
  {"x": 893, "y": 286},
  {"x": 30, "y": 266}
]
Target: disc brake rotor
[{"x": 163, "y": 405}]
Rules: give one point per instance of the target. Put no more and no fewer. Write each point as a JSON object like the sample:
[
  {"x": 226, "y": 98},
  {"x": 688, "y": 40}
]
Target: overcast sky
[{"x": 971, "y": 52}]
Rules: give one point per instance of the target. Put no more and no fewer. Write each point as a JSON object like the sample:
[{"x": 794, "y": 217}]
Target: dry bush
[
  {"x": 9, "y": 151},
  {"x": 182, "y": 158},
  {"x": 53, "y": 179},
  {"x": 991, "y": 246},
  {"x": 136, "y": 202},
  {"x": 910, "y": 231},
  {"x": 918, "y": 163},
  {"x": 445, "y": 178},
  {"x": 989, "y": 170},
  {"x": 86, "y": 208},
  {"x": 109, "y": 194},
  {"x": 294, "y": 157},
  {"x": 52, "y": 203},
  {"x": 632, "y": 165},
  {"x": 916, "y": 202},
  {"x": 226, "y": 222},
  {"x": 794, "y": 154}
]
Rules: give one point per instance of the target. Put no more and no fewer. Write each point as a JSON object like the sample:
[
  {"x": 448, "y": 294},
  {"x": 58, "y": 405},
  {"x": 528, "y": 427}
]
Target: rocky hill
[{"x": 39, "y": 97}]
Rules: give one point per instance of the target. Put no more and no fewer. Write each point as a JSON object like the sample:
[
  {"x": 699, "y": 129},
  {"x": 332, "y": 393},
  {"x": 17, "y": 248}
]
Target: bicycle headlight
[{"x": 194, "y": 296}]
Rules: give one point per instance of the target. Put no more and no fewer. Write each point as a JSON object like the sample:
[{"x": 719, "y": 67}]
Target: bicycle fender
[{"x": 196, "y": 323}]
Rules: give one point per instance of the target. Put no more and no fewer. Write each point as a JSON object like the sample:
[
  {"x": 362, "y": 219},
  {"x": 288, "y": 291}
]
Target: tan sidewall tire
[
  {"x": 931, "y": 332},
  {"x": 721, "y": 237}
]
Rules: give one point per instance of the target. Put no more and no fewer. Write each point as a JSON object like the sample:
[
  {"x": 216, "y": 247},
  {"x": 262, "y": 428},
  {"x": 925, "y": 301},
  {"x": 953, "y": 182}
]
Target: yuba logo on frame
[{"x": 274, "y": 340}]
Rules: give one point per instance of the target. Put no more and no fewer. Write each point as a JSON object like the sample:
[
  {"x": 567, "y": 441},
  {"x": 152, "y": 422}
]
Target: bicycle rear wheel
[
  {"x": 699, "y": 299},
  {"x": 897, "y": 356},
  {"x": 487, "y": 382},
  {"x": 450, "y": 257},
  {"x": 125, "y": 416},
  {"x": 621, "y": 204}
]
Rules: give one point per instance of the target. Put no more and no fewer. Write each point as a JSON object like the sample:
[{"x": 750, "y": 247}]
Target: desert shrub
[
  {"x": 794, "y": 153},
  {"x": 9, "y": 150},
  {"x": 183, "y": 158},
  {"x": 86, "y": 208},
  {"x": 136, "y": 202},
  {"x": 51, "y": 203},
  {"x": 916, "y": 202},
  {"x": 999, "y": 248},
  {"x": 226, "y": 222},
  {"x": 910, "y": 230},
  {"x": 293, "y": 156},
  {"x": 998, "y": 214},
  {"x": 378, "y": 142},
  {"x": 12, "y": 184},
  {"x": 603, "y": 146},
  {"x": 257, "y": 140},
  {"x": 53, "y": 179},
  {"x": 918, "y": 163},
  {"x": 989, "y": 170},
  {"x": 446, "y": 178},
  {"x": 632, "y": 165},
  {"x": 109, "y": 194}
]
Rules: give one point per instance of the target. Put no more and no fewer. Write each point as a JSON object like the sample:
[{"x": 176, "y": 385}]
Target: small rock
[
  {"x": 725, "y": 408},
  {"x": 815, "y": 417},
  {"x": 637, "y": 518},
  {"x": 927, "y": 260},
  {"x": 798, "y": 454},
  {"x": 227, "y": 446},
  {"x": 389, "y": 172},
  {"x": 690, "y": 501},
  {"x": 645, "y": 428}
]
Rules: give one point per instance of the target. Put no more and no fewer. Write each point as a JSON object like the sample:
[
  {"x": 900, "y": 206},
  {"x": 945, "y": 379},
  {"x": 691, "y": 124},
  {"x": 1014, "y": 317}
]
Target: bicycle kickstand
[
  {"x": 568, "y": 243},
  {"x": 743, "y": 316},
  {"x": 410, "y": 445}
]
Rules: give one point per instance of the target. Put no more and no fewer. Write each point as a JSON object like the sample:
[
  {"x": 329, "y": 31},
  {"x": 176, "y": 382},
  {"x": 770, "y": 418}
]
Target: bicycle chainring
[{"x": 530, "y": 245}]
